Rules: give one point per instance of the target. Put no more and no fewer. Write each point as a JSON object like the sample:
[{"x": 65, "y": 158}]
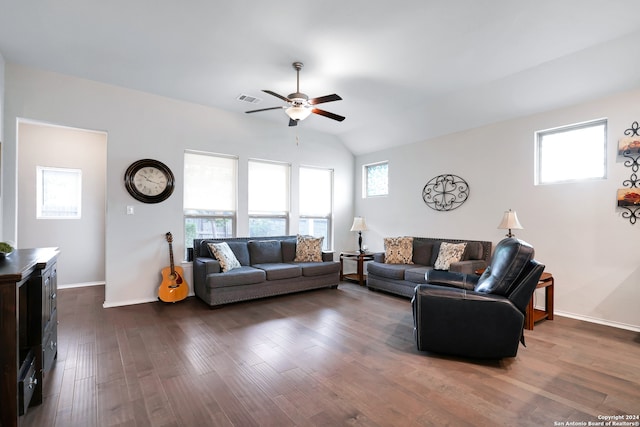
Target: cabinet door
[{"x": 46, "y": 298}]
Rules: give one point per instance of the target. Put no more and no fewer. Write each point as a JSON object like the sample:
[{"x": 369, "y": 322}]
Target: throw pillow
[
  {"x": 309, "y": 249},
  {"x": 224, "y": 255},
  {"x": 398, "y": 250},
  {"x": 449, "y": 252}
]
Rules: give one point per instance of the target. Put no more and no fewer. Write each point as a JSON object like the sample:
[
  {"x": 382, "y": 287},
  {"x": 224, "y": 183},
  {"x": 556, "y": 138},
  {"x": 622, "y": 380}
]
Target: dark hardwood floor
[{"x": 327, "y": 357}]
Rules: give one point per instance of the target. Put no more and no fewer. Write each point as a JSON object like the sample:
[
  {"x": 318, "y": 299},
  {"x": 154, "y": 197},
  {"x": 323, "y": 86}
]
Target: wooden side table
[
  {"x": 533, "y": 315},
  {"x": 360, "y": 259}
]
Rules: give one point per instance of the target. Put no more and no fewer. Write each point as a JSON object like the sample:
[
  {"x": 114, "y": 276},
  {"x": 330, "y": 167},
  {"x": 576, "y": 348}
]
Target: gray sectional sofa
[
  {"x": 401, "y": 279},
  {"x": 267, "y": 268}
]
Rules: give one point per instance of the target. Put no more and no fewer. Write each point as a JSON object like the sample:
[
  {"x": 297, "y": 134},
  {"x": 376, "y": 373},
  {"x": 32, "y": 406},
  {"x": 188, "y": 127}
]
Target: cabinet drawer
[
  {"x": 50, "y": 344},
  {"x": 27, "y": 382}
]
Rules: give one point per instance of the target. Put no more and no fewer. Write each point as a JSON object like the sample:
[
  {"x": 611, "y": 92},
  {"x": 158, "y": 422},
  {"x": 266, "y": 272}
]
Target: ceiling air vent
[{"x": 248, "y": 98}]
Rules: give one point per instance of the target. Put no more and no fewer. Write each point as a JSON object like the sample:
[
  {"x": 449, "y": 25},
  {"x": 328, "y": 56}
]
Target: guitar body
[{"x": 173, "y": 287}]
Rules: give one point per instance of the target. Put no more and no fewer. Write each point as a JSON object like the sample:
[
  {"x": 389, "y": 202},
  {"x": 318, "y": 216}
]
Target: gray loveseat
[
  {"x": 401, "y": 279},
  {"x": 267, "y": 268}
]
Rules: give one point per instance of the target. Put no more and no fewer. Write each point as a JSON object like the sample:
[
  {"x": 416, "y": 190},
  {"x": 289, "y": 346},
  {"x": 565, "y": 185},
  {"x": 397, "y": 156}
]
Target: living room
[{"x": 577, "y": 229}]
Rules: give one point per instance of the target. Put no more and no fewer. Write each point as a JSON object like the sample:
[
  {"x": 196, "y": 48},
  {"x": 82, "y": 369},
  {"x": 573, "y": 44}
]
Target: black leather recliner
[{"x": 478, "y": 316}]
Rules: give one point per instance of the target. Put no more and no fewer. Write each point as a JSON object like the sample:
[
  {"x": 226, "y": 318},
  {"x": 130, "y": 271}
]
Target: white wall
[
  {"x": 576, "y": 229},
  {"x": 139, "y": 126},
  {"x": 2, "y": 161},
  {"x": 81, "y": 260}
]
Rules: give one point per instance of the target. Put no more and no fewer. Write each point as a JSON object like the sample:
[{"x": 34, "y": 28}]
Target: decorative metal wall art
[
  {"x": 445, "y": 192},
  {"x": 629, "y": 197}
]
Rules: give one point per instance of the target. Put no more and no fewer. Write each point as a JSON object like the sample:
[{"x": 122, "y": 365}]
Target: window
[
  {"x": 316, "y": 195},
  {"x": 210, "y": 188},
  {"x": 375, "y": 179},
  {"x": 571, "y": 153},
  {"x": 58, "y": 193},
  {"x": 268, "y": 198}
]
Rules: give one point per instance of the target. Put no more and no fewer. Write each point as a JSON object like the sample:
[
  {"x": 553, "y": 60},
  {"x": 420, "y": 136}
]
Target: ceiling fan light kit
[{"x": 299, "y": 105}]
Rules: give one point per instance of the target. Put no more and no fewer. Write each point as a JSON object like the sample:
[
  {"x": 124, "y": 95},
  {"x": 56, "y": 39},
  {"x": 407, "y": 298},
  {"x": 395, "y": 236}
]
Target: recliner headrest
[{"x": 509, "y": 259}]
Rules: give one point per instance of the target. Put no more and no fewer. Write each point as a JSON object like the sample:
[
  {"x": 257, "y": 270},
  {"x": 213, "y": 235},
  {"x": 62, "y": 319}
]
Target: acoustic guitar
[{"x": 173, "y": 287}]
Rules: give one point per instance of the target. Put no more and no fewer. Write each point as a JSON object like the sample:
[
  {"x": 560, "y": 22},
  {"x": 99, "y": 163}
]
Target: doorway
[{"x": 81, "y": 239}]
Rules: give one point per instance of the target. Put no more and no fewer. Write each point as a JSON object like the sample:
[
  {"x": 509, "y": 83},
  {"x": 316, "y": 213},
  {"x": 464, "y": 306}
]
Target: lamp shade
[
  {"x": 510, "y": 221},
  {"x": 359, "y": 224},
  {"x": 297, "y": 112}
]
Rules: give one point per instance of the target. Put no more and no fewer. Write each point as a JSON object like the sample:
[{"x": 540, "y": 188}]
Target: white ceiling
[{"x": 407, "y": 70}]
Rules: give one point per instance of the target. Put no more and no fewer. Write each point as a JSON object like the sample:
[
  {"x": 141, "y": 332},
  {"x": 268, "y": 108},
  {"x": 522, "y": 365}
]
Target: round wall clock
[{"x": 149, "y": 181}]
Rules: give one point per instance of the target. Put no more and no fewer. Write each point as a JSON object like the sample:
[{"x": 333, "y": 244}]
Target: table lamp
[
  {"x": 359, "y": 225},
  {"x": 509, "y": 222}
]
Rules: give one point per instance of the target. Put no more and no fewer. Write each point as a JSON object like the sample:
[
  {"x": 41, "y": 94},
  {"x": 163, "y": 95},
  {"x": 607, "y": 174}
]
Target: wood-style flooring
[{"x": 330, "y": 357}]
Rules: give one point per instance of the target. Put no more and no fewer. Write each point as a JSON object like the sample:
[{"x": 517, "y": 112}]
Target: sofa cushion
[
  {"x": 422, "y": 252},
  {"x": 417, "y": 274},
  {"x": 389, "y": 271},
  {"x": 319, "y": 268},
  {"x": 398, "y": 250},
  {"x": 473, "y": 251},
  {"x": 265, "y": 251},
  {"x": 280, "y": 270},
  {"x": 288, "y": 250},
  {"x": 225, "y": 256},
  {"x": 448, "y": 253},
  {"x": 240, "y": 276},
  {"x": 309, "y": 249}
]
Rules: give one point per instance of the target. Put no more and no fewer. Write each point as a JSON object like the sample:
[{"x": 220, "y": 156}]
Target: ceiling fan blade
[
  {"x": 276, "y": 95},
  {"x": 328, "y": 114},
  {"x": 326, "y": 98},
  {"x": 293, "y": 122},
  {"x": 265, "y": 109}
]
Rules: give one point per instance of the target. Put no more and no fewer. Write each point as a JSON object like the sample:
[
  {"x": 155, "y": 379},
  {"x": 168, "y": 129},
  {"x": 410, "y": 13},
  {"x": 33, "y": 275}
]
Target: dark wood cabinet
[{"x": 28, "y": 328}]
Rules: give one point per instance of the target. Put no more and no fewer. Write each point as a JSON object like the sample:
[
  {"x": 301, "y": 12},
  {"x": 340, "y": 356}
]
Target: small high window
[
  {"x": 58, "y": 193},
  {"x": 375, "y": 179},
  {"x": 572, "y": 153}
]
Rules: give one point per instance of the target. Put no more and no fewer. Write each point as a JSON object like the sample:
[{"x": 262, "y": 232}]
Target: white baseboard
[
  {"x": 128, "y": 302},
  {"x": 80, "y": 285},
  {"x": 590, "y": 319}
]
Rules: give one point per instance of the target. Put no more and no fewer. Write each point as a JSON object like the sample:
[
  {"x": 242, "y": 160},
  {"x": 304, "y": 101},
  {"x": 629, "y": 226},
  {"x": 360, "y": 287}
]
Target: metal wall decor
[
  {"x": 445, "y": 192},
  {"x": 629, "y": 197}
]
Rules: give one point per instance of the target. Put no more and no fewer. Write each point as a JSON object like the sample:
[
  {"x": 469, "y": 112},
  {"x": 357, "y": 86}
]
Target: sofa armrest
[
  {"x": 378, "y": 257},
  {"x": 452, "y": 279},
  {"x": 207, "y": 266},
  {"x": 327, "y": 256},
  {"x": 469, "y": 266}
]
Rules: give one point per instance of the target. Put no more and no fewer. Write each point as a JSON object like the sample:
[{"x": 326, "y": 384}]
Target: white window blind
[
  {"x": 268, "y": 187},
  {"x": 210, "y": 183}
]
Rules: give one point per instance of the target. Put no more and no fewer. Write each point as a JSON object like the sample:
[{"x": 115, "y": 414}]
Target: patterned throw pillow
[
  {"x": 225, "y": 256},
  {"x": 309, "y": 249},
  {"x": 398, "y": 250},
  {"x": 449, "y": 252}
]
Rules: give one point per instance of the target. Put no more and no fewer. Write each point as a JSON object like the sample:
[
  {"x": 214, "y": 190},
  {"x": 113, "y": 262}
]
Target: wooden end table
[
  {"x": 360, "y": 258},
  {"x": 533, "y": 315}
]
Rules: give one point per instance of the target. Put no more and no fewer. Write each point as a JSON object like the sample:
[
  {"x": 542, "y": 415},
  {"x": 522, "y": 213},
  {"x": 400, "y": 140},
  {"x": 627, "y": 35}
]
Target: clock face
[{"x": 149, "y": 181}]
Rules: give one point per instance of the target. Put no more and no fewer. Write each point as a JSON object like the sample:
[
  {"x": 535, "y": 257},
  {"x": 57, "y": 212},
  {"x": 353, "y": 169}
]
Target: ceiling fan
[{"x": 299, "y": 105}]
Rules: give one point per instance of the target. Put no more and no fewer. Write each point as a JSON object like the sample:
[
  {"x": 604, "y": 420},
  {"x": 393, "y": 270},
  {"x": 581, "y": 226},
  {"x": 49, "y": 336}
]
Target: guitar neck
[{"x": 173, "y": 270}]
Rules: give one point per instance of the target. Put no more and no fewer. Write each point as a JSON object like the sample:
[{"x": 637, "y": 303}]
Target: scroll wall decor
[
  {"x": 629, "y": 197},
  {"x": 445, "y": 192}
]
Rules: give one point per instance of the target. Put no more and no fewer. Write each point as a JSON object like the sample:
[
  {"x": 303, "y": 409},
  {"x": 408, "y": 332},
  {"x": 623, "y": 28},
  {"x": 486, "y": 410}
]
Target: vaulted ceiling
[{"x": 407, "y": 70}]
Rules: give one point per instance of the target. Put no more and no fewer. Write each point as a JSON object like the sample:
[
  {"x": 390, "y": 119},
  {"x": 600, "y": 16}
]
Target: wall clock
[{"x": 149, "y": 181}]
